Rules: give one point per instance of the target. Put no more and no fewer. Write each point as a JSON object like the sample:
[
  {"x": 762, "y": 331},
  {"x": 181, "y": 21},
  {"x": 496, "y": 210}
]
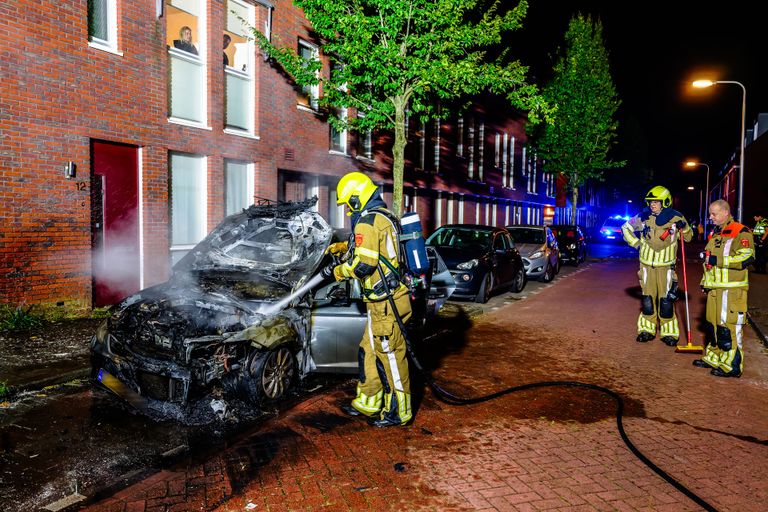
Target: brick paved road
[{"x": 546, "y": 449}]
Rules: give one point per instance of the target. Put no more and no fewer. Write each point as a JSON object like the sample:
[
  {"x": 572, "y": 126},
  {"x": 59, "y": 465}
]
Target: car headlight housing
[
  {"x": 468, "y": 265},
  {"x": 537, "y": 254},
  {"x": 572, "y": 246}
]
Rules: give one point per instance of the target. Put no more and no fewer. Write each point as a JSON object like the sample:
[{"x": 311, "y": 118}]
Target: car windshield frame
[
  {"x": 283, "y": 242},
  {"x": 461, "y": 238}
]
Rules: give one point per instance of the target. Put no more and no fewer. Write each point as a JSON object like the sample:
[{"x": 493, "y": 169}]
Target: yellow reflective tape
[{"x": 362, "y": 251}]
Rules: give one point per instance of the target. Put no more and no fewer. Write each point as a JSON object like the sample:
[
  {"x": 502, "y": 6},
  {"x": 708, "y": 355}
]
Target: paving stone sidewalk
[{"x": 554, "y": 448}]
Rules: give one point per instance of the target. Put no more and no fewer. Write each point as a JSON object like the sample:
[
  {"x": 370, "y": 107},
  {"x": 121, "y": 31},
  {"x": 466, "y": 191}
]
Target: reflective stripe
[
  {"x": 724, "y": 308},
  {"x": 670, "y": 328},
  {"x": 652, "y": 258},
  {"x": 645, "y": 325},
  {"x": 370, "y": 333},
  {"x": 398, "y": 384},
  {"x": 367, "y": 252},
  {"x": 368, "y": 405},
  {"x": 669, "y": 279}
]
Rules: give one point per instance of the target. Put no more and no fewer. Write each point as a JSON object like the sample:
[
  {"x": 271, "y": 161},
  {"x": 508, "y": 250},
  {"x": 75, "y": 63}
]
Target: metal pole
[{"x": 740, "y": 206}]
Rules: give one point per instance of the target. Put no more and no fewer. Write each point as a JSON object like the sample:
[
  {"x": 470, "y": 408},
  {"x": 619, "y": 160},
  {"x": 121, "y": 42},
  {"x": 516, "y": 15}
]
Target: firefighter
[
  {"x": 760, "y": 235},
  {"x": 728, "y": 252},
  {"x": 383, "y": 390},
  {"x": 655, "y": 232}
]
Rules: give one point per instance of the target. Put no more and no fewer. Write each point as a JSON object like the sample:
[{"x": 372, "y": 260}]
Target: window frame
[
  {"x": 312, "y": 91},
  {"x": 249, "y": 75},
  {"x": 202, "y": 199},
  {"x": 109, "y": 44},
  {"x": 200, "y": 60}
]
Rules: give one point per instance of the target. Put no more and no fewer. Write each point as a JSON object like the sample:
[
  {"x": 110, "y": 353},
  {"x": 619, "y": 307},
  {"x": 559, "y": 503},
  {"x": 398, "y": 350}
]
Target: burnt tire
[
  {"x": 518, "y": 283},
  {"x": 269, "y": 375},
  {"x": 484, "y": 293}
]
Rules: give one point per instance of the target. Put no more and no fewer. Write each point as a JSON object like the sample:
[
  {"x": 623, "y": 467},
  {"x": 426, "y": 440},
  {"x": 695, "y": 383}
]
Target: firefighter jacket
[
  {"x": 375, "y": 242},
  {"x": 733, "y": 250},
  {"x": 655, "y": 236},
  {"x": 760, "y": 229}
]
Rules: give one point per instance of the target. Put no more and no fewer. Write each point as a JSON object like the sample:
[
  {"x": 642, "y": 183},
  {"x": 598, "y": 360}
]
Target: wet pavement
[{"x": 553, "y": 448}]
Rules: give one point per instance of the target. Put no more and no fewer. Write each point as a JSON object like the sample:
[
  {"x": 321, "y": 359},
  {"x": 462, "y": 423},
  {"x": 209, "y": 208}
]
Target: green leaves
[
  {"x": 395, "y": 56},
  {"x": 579, "y": 140}
]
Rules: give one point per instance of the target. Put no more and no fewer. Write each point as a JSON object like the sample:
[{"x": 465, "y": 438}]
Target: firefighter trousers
[
  {"x": 657, "y": 307},
  {"x": 384, "y": 386},
  {"x": 726, "y": 315}
]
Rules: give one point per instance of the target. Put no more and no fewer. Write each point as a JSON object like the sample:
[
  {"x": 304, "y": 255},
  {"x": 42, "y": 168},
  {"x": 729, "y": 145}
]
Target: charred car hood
[{"x": 283, "y": 243}]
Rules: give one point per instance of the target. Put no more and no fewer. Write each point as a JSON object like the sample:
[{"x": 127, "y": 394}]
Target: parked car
[
  {"x": 481, "y": 259},
  {"x": 217, "y": 324},
  {"x": 611, "y": 229},
  {"x": 539, "y": 249},
  {"x": 572, "y": 243}
]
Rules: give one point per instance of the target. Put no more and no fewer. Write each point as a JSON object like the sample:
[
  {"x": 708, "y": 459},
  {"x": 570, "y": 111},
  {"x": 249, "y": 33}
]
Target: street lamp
[
  {"x": 693, "y": 163},
  {"x": 709, "y": 83}
]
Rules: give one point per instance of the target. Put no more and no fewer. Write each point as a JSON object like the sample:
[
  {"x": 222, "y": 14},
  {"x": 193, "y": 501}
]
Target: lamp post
[
  {"x": 693, "y": 163},
  {"x": 709, "y": 83}
]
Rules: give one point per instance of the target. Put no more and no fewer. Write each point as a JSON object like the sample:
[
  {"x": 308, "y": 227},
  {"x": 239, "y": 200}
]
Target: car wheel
[
  {"x": 485, "y": 289},
  {"x": 269, "y": 375},
  {"x": 549, "y": 274},
  {"x": 519, "y": 282},
  {"x": 557, "y": 268}
]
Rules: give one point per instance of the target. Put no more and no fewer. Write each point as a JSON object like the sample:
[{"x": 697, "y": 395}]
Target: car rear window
[{"x": 527, "y": 235}]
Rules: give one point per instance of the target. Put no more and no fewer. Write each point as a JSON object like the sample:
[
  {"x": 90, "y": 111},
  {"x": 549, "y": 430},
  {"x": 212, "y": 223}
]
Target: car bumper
[
  {"x": 535, "y": 267},
  {"x": 467, "y": 284}
]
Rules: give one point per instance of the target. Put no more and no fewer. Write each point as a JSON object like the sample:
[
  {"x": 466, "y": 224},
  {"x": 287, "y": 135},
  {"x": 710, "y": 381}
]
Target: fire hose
[{"x": 452, "y": 399}]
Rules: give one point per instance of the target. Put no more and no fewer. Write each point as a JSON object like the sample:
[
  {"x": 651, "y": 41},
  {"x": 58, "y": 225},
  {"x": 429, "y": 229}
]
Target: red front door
[{"x": 114, "y": 221}]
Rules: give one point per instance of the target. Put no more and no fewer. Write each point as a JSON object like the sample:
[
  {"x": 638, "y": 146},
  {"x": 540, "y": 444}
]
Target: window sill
[
  {"x": 307, "y": 109},
  {"x": 365, "y": 159},
  {"x": 339, "y": 153},
  {"x": 191, "y": 124},
  {"x": 241, "y": 133},
  {"x": 105, "y": 48}
]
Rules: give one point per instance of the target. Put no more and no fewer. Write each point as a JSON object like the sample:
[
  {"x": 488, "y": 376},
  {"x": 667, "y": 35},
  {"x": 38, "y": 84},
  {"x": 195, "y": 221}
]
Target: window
[
  {"x": 188, "y": 203},
  {"x": 365, "y": 143},
  {"x": 338, "y": 138},
  {"x": 309, "y": 93},
  {"x": 186, "y": 46},
  {"x": 238, "y": 54},
  {"x": 102, "y": 24},
  {"x": 238, "y": 186}
]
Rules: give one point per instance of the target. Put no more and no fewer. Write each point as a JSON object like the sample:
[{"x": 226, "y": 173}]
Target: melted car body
[{"x": 212, "y": 330}]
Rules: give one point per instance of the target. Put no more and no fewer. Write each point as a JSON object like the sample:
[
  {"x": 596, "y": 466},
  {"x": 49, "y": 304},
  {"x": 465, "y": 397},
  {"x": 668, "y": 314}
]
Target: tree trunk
[
  {"x": 398, "y": 156},
  {"x": 574, "y": 199}
]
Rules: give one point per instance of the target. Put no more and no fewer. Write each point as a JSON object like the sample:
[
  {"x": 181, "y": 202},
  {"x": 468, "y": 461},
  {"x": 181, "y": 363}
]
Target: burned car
[{"x": 230, "y": 320}]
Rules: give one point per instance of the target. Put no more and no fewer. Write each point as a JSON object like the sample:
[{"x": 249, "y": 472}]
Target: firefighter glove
[
  {"x": 711, "y": 260},
  {"x": 680, "y": 224},
  {"x": 337, "y": 249}
]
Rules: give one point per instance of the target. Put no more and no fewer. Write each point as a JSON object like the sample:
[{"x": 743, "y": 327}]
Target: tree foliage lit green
[
  {"x": 579, "y": 142},
  {"x": 396, "y": 58}
]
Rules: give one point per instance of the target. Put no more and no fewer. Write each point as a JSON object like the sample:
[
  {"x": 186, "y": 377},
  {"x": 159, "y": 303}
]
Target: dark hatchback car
[
  {"x": 572, "y": 243},
  {"x": 222, "y": 326},
  {"x": 482, "y": 259}
]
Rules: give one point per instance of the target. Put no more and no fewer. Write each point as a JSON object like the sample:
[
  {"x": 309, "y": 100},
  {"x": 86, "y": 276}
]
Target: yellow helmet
[
  {"x": 659, "y": 193},
  {"x": 355, "y": 190}
]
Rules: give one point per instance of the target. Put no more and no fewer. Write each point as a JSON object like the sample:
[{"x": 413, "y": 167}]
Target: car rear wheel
[
  {"x": 484, "y": 294},
  {"x": 519, "y": 282},
  {"x": 269, "y": 375}
]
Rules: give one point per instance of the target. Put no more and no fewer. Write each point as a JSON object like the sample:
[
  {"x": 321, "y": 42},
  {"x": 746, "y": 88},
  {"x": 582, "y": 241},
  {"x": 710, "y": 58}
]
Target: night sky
[{"x": 656, "y": 49}]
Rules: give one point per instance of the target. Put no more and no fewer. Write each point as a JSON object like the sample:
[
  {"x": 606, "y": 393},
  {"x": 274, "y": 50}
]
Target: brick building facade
[{"x": 124, "y": 139}]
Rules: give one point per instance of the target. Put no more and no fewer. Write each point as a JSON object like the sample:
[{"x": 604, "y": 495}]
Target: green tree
[
  {"x": 578, "y": 143},
  {"x": 392, "y": 58}
]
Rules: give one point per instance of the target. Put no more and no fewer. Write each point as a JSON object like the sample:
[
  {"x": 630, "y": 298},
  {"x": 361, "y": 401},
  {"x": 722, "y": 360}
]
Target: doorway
[{"x": 114, "y": 221}]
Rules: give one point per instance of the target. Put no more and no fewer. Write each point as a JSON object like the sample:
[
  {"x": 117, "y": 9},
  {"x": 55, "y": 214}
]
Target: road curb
[
  {"x": 53, "y": 380},
  {"x": 760, "y": 333}
]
